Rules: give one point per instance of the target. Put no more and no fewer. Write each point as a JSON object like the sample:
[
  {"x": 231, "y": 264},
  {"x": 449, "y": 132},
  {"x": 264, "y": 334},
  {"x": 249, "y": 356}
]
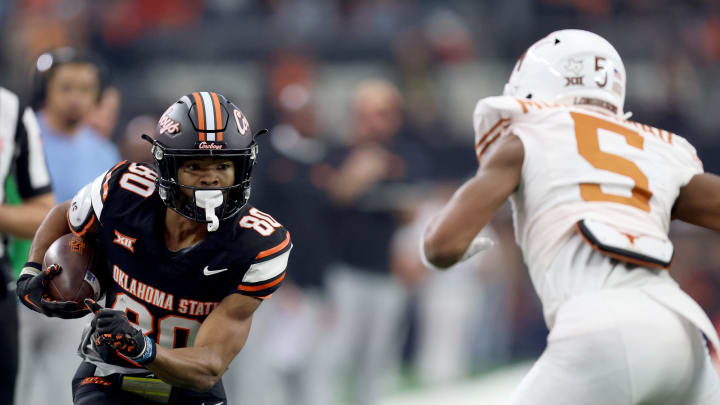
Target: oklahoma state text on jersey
[{"x": 169, "y": 294}]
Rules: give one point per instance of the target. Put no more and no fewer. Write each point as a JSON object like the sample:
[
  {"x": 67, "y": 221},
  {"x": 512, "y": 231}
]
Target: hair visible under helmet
[
  {"x": 204, "y": 125},
  {"x": 571, "y": 67}
]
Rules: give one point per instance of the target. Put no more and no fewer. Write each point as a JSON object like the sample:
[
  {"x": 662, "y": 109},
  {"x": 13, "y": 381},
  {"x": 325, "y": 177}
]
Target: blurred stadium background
[{"x": 276, "y": 57}]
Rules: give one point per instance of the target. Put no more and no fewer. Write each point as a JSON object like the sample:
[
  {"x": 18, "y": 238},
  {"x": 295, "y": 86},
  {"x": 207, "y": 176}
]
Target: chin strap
[{"x": 209, "y": 200}]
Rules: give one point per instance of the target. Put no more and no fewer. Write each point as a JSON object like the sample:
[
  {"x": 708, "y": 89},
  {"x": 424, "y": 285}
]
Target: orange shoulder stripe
[
  {"x": 480, "y": 155},
  {"x": 107, "y": 177},
  {"x": 85, "y": 228},
  {"x": 490, "y": 131},
  {"x": 251, "y": 288},
  {"x": 276, "y": 249}
]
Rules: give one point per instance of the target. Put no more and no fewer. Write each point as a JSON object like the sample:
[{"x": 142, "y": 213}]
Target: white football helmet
[{"x": 570, "y": 67}]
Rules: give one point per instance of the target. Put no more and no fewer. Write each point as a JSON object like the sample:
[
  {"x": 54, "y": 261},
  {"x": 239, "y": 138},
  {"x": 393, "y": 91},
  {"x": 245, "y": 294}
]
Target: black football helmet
[{"x": 200, "y": 125}]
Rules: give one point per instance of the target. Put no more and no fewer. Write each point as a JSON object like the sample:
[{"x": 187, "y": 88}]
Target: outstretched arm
[
  {"x": 699, "y": 202},
  {"x": 451, "y": 231}
]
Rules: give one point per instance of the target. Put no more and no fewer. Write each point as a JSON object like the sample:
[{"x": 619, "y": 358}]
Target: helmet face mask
[
  {"x": 203, "y": 125},
  {"x": 571, "y": 67}
]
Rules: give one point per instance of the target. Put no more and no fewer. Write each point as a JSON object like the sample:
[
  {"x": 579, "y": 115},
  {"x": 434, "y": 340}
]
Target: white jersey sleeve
[
  {"x": 688, "y": 162},
  {"x": 492, "y": 119}
]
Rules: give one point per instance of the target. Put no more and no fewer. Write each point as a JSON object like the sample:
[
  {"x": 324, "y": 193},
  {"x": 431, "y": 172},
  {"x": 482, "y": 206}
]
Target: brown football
[{"x": 76, "y": 257}]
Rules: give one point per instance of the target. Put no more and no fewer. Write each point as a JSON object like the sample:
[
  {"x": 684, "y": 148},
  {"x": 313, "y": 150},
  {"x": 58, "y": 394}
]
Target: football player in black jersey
[{"x": 186, "y": 261}]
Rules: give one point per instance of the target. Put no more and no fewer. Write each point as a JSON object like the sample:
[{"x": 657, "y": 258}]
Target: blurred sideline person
[
  {"x": 67, "y": 88},
  {"x": 463, "y": 319},
  {"x": 20, "y": 154},
  {"x": 290, "y": 182},
  {"x": 365, "y": 332},
  {"x": 186, "y": 261},
  {"x": 593, "y": 196}
]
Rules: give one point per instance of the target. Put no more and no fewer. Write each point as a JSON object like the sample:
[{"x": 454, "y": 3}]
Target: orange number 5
[{"x": 586, "y": 132}]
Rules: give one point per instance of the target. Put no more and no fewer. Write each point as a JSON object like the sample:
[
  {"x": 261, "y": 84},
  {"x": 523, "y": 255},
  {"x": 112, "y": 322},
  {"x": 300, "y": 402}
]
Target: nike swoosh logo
[
  {"x": 27, "y": 298},
  {"x": 208, "y": 272}
]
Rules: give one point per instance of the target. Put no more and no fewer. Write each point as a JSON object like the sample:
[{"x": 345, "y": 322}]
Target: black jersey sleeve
[
  {"x": 113, "y": 190},
  {"x": 270, "y": 253}
]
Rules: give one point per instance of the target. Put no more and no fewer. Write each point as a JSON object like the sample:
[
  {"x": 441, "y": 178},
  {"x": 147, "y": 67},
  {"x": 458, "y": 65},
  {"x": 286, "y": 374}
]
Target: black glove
[
  {"x": 116, "y": 340},
  {"x": 31, "y": 289}
]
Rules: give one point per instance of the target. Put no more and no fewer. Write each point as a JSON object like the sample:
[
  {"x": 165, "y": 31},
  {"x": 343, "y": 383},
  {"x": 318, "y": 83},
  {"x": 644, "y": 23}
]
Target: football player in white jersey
[{"x": 593, "y": 195}]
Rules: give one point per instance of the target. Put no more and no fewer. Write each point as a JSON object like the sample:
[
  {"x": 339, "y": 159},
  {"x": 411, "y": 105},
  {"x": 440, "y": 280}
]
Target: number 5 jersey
[
  {"x": 168, "y": 294},
  {"x": 595, "y": 176}
]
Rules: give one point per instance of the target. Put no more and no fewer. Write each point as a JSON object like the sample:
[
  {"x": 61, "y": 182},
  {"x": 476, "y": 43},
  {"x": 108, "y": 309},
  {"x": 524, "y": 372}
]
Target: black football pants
[{"x": 9, "y": 343}]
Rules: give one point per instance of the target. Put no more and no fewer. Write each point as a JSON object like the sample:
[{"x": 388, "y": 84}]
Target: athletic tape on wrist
[
  {"x": 31, "y": 268},
  {"x": 148, "y": 353}
]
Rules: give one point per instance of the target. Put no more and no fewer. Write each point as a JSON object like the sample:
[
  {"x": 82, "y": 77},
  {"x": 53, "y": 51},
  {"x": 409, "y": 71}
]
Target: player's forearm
[
  {"x": 195, "y": 368},
  {"x": 451, "y": 231},
  {"x": 21, "y": 221},
  {"x": 52, "y": 227}
]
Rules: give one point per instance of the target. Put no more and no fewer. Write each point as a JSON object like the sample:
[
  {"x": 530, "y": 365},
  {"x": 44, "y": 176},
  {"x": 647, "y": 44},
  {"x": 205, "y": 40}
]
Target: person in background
[
  {"x": 290, "y": 182},
  {"x": 132, "y": 147},
  {"x": 368, "y": 190},
  {"x": 593, "y": 195},
  {"x": 67, "y": 88},
  {"x": 463, "y": 317},
  {"x": 20, "y": 153},
  {"x": 198, "y": 257}
]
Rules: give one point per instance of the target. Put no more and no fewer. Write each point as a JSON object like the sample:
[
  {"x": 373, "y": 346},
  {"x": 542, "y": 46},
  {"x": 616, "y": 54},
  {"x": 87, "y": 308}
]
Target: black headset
[{"x": 47, "y": 63}]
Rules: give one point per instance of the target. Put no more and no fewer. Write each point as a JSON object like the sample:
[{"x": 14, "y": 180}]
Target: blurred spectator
[
  {"x": 289, "y": 181},
  {"x": 132, "y": 146},
  {"x": 370, "y": 198},
  {"x": 68, "y": 86},
  {"x": 463, "y": 316},
  {"x": 443, "y": 55},
  {"x": 20, "y": 153},
  {"x": 103, "y": 118}
]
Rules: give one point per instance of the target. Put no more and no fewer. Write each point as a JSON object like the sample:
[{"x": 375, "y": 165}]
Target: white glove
[{"x": 478, "y": 244}]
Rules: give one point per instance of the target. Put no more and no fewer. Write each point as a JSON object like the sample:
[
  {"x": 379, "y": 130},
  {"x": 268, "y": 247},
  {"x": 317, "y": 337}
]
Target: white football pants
[{"x": 618, "y": 347}]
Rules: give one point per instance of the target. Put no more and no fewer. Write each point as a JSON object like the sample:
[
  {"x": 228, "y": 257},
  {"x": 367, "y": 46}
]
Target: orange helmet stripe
[
  {"x": 218, "y": 116},
  {"x": 200, "y": 113}
]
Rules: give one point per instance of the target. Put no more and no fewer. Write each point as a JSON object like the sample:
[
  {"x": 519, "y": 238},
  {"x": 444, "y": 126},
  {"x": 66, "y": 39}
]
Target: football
[{"x": 76, "y": 281}]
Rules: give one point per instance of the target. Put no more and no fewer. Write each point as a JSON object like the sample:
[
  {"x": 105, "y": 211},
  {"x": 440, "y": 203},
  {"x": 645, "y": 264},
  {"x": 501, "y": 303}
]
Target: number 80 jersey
[
  {"x": 580, "y": 164},
  {"x": 165, "y": 293}
]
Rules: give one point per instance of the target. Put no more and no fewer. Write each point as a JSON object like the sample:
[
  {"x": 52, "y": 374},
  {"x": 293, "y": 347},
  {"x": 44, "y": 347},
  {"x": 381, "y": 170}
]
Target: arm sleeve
[
  {"x": 267, "y": 270},
  {"x": 87, "y": 205},
  {"x": 688, "y": 162},
  {"x": 492, "y": 119},
  {"x": 31, "y": 172}
]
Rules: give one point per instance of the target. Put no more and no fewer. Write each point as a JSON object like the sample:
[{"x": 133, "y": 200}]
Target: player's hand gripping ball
[{"x": 58, "y": 287}]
